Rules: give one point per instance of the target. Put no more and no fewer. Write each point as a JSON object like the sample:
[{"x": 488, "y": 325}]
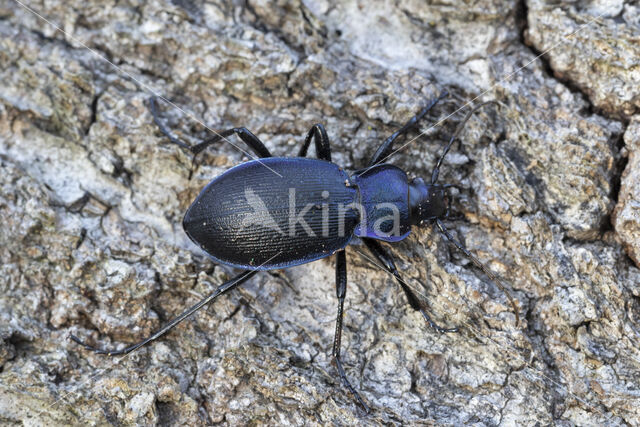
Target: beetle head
[{"x": 427, "y": 202}]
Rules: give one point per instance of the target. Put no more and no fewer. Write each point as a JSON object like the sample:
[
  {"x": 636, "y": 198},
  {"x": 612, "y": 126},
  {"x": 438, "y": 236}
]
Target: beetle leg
[
  {"x": 321, "y": 141},
  {"x": 162, "y": 127},
  {"x": 243, "y": 133},
  {"x": 461, "y": 247},
  {"x": 341, "y": 291},
  {"x": 386, "y": 148},
  {"x": 387, "y": 261},
  {"x": 225, "y": 287}
]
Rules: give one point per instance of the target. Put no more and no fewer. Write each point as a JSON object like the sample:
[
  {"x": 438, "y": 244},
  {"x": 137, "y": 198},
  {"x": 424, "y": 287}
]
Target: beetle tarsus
[
  {"x": 82, "y": 343},
  {"x": 341, "y": 291},
  {"x": 243, "y": 133},
  {"x": 347, "y": 384},
  {"x": 156, "y": 118},
  {"x": 95, "y": 349},
  {"x": 321, "y": 141},
  {"x": 437, "y": 327}
]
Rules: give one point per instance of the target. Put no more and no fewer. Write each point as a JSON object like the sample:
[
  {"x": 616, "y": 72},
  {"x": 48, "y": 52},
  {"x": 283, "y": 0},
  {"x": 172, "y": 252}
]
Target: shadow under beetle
[{"x": 243, "y": 217}]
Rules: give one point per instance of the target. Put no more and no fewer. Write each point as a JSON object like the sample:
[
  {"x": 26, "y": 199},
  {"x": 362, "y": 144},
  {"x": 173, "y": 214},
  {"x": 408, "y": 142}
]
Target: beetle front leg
[
  {"x": 436, "y": 169},
  {"x": 341, "y": 291},
  {"x": 386, "y": 149},
  {"x": 387, "y": 261}
]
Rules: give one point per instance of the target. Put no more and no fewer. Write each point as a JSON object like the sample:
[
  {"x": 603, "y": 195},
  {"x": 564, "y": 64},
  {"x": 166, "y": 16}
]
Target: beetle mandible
[{"x": 243, "y": 218}]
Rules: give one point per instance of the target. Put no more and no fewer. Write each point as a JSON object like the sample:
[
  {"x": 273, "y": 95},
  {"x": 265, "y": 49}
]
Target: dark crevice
[
  {"x": 51, "y": 39},
  {"x": 265, "y": 28},
  {"x": 209, "y": 270},
  {"x": 287, "y": 283},
  {"x": 19, "y": 342},
  {"x": 573, "y": 87},
  {"x": 521, "y": 14},
  {"x": 632, "y": 307},
  {"x": 619, "y": 167},
  {"x": 569, "y": 84},
  {"x": 116, "y": 63},
  {"x": 616, "y": 182},
  {"x": 79, "y": 204},
  {"x": 321, "y": 31},
  {"x": 94, "y": 110},
  {"x": 83, "y": 235},
  {"x": 167, "y": 415},
  {"x": 57, "y": 377},
  {"x": 164, "y": 317},
  {"x": 585, "y": 323},
  {"x": 147, "y": 72},
  {"x": 191, "y": 8},
  {"x": 119, "y": 171},
  {"x": 233, "y": 312},
  {"x": 528, "y": 315},
  {"x": 298, "y": 362}
]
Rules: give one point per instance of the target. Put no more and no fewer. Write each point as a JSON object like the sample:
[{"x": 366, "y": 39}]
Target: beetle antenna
[
  {"x": 436, "y": 170},
  {"x": 481, "y": 266}
]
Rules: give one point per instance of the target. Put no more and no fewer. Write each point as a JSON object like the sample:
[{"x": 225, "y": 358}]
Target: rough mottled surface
[
  {"x": 92, "y": 196},
  {"x": 604, "y": 61},
  {"x": 626, "y": 216}
]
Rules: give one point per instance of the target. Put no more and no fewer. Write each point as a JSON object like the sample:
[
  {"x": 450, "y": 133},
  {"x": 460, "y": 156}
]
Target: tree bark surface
[{"x": 546, "y": 195}]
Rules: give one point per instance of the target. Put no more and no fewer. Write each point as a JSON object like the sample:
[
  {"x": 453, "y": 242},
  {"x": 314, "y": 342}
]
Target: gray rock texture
[
  {"x": 626, "y": 216},
  {"x": 92, "y": 196},
  {"x": 602, "y": 62}
]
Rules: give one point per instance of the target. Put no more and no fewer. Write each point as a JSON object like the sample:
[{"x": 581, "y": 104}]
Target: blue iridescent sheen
[{"x": 384, "y": 196}]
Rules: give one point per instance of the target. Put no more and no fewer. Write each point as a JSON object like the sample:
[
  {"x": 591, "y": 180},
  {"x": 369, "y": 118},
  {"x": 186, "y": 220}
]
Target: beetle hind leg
[
  {"x": 156, "y": 118},
  {"x": 321, "y": 141},
  {"x": 387, "y": 261},
  {"x": 341, "y": 291},
  {"x": 223, "y": 288},
  {"x": 243, "y": 133}
]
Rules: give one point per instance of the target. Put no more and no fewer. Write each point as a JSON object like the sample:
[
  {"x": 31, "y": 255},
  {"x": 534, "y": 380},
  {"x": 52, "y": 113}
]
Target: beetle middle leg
[
  {"x": 386, "y": 148},
  {"x": 387, "y": 261},
  {"x": 341, "y": 291},
  {"x": 243, "y": 133}
]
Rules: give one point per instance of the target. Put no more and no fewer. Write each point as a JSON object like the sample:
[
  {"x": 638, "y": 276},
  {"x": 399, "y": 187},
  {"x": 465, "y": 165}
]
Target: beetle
[{"x": 244, "y": 217}]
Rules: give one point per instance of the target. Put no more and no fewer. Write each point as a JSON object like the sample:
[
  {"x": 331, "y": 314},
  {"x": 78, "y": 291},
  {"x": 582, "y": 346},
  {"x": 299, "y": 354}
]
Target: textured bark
[{"x": 92, "y": 197}]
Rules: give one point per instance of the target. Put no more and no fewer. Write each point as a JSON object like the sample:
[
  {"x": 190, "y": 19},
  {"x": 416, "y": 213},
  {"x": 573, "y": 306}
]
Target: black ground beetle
[{"x": 248, "y": 216}]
